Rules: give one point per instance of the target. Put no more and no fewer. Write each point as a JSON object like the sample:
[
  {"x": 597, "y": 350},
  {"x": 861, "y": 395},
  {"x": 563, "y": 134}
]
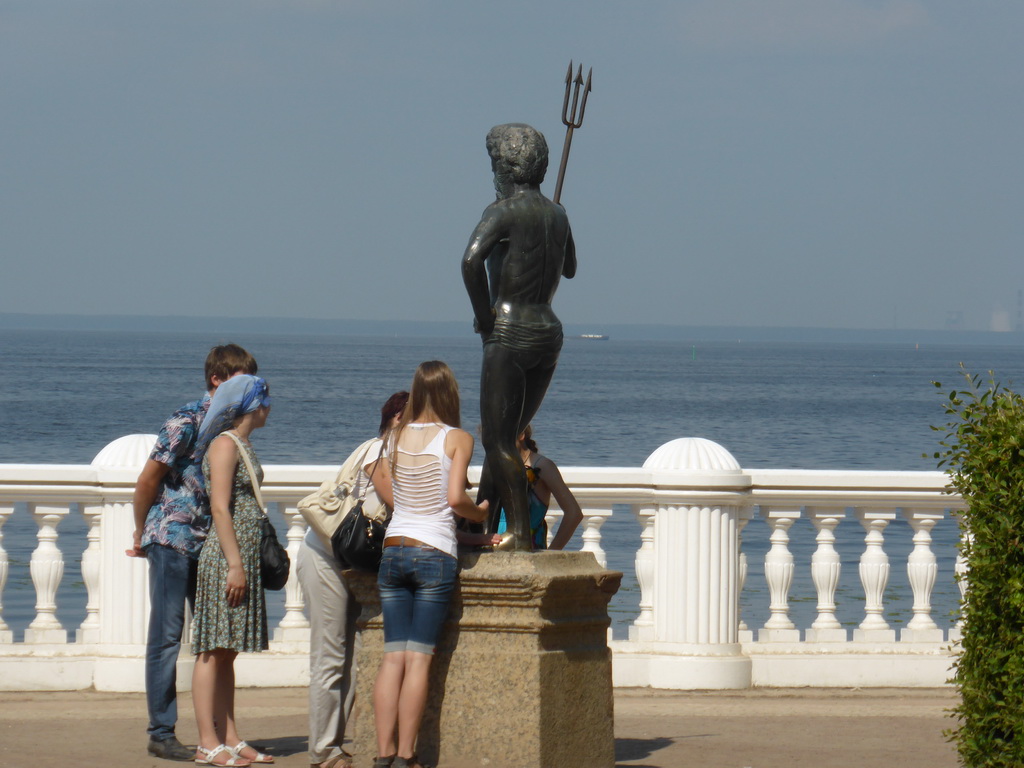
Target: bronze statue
[{"x": 516, "y": 256}]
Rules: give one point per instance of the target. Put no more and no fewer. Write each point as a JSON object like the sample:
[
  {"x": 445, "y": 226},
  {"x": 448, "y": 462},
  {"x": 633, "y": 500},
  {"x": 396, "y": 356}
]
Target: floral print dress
[{"x": 216, "y": 624}]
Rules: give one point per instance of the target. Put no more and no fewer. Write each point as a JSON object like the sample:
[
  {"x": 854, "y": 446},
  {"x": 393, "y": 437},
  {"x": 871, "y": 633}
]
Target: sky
[{"x": 812, "y": 163}]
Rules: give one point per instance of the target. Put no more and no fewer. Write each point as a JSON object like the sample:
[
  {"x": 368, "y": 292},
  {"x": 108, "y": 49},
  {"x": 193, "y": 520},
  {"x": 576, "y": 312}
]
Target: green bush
[{"x": 984, "y": 457}]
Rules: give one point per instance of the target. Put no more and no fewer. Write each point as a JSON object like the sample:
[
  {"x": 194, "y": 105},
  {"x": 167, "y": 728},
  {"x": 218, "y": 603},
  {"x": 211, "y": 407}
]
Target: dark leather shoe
[{"x": 170, "y": 749}]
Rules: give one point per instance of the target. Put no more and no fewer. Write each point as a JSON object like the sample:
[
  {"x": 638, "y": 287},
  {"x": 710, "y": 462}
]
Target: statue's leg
[
  {"x": 502, "y": 391},
  {"x": 537, "y": 380},
  {"x": 487, "y": 491}
]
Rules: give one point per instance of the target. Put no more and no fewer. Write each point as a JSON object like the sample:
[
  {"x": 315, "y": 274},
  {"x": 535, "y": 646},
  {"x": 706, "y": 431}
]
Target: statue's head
[{"x": 519, "y": 155}]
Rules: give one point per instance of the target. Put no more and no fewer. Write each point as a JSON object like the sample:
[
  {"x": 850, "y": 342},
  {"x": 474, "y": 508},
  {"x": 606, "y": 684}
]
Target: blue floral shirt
[{"x": 180, "y": 517}]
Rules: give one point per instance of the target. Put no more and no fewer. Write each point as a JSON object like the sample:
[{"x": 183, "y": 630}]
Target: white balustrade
[
  {"x": 92, "y": 567},
  {"x": 695, "y": 496},
  {"x": 745, "y": 635},
  {"x": 593, "y": 519},
  {"x": 124, "y": 611},
  {"x": 778, "y": 572},
  {"x": 922, "y": 572},
  {"x": 47, "y": 569},
  {"x": 960, "y": 572},
  {"x": 643, "y": 627},
  {"x": 294, "y": 626},
  {"x": 551, "y": 519},
  {"x": 826, "y": 568},
  {"x": 691, "y": 501},
  {"x": 6, "y": 635},
  {"x": 874, "y": 575}
]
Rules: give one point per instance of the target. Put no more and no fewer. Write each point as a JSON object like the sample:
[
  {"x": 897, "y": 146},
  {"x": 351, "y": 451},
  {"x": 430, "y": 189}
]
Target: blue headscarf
[{"x": 236, "y": 397}]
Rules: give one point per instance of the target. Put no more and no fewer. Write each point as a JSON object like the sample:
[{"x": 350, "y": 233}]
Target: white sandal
[
  {"x": 261, "y": 757},
  {"x": 233, "y": 760}
]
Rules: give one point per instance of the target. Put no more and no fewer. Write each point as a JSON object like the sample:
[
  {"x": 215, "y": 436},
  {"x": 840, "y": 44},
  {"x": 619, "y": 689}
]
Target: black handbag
[
  {"x": 274, "y": 560},
  {"x": 359, "y": 541}
]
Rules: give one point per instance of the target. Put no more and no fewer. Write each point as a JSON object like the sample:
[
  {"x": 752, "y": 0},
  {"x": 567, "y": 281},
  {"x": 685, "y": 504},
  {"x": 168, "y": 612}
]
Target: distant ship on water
[{"x": 594, "y": 336}]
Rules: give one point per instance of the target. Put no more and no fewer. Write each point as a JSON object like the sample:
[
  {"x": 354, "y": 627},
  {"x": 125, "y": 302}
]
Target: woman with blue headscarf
[{"x": 231, "y": 613}]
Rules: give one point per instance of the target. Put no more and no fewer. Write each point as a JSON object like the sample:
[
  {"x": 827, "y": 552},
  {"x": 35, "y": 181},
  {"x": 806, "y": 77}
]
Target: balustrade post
[
  {"x": 89, "y": 631},
  {"x": 294, "y": 626},
  {"x": 642, "y": 629},
  {"x": 778, "y": 572},
  {"x": 47, "y": 569},
  {"x": 874, "y": 575},
  {"x": 922, "y": 570},
  {"x": 698, "y": 491},
  {"x": 123, "y": 610},
  {"x": 593, "y": 519},
  {"x": 6, "y": 635},
  {"x": 826, "y": 566}
]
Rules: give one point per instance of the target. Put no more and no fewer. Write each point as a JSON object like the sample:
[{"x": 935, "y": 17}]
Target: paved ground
[{"x": 763, "y": 728}]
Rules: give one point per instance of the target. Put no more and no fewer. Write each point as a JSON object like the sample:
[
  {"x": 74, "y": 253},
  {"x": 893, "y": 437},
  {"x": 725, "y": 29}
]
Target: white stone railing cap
[
  {"x": 118, "y": 464},
  {"x": 693, "y": 453},
  {"x": 695, "y": 462},
  {"x": 130, "y": 451}
]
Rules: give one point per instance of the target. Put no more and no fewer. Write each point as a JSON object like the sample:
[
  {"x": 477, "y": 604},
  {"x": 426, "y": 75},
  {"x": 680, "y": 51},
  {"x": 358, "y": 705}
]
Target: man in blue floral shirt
[{"x": 172, "y": 516}]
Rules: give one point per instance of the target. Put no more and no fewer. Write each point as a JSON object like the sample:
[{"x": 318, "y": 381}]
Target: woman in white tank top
[{"x": 426, "y": 473}]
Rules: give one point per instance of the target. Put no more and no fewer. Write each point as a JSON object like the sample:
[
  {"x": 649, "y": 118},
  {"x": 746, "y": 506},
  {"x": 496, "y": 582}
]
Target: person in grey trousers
[{"x": 333, "y": 640}]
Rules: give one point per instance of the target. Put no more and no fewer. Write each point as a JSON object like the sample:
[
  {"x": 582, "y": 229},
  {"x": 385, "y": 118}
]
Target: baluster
[
  {"x": 643, "y": 627},
  {"x": 593, "y": 519},
  {"x": 294, "y": 626},
  {"x": 6, "y": 635},
  {"x": 960, "y": 569},
  {"x": 778, "y": 572},
  {"x": 922, "y": 570},
  {"x": 745, "y": 634},
  {"x": 874, "y": 575},
  {"x": 89, "y": 631},
  {"x": 826, "y": 566},
  {"x": 47, "y": 569},
  {"x": 551, "y": 520}
]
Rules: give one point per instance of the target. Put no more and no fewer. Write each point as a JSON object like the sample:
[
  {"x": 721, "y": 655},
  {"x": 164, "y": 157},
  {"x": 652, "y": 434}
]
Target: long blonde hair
[{"x": 434, "y": 391}]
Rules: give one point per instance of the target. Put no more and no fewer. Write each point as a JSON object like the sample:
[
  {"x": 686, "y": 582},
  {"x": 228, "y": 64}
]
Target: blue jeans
[
  {"x": 172, "y": 581},
  {"x": 416, "y": 585}
]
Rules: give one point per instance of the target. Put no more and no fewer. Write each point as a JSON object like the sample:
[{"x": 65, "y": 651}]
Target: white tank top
[{"x": 420, "y": 485}]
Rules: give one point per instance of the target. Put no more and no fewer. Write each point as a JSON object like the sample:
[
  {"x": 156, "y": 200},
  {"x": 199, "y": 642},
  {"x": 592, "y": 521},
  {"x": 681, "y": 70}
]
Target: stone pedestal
[{"x": 522, "y": 677}]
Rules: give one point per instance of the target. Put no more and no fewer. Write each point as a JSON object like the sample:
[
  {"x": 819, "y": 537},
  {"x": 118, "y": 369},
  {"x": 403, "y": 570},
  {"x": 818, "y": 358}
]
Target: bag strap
[
  {"x": 359, "y": 470},
  {"x": 362, "y": 463},
  {"x": 248, "y": 465}
]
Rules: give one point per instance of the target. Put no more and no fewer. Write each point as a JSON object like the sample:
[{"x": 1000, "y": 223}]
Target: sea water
[{"x": 65, "y": 395}]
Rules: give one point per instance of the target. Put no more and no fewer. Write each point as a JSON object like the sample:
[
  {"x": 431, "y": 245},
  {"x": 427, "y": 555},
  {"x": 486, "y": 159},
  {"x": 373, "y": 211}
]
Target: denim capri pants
[{"x": 416, "y": 585}]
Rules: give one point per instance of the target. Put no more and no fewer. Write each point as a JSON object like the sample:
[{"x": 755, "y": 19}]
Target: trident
[{"x": 569, "y": 117}]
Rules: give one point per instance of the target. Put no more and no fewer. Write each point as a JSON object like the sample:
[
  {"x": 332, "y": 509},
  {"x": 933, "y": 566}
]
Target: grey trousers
[{"x": 333, "y": 644}]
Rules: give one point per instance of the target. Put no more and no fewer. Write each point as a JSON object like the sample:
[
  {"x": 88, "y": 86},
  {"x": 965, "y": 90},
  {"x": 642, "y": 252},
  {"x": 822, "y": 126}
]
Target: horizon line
[{"x": 459, "y": 328}]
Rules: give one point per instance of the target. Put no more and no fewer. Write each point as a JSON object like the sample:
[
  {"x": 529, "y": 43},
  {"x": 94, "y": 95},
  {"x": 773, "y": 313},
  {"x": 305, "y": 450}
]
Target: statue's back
[{"x": 537, "y": 233}]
